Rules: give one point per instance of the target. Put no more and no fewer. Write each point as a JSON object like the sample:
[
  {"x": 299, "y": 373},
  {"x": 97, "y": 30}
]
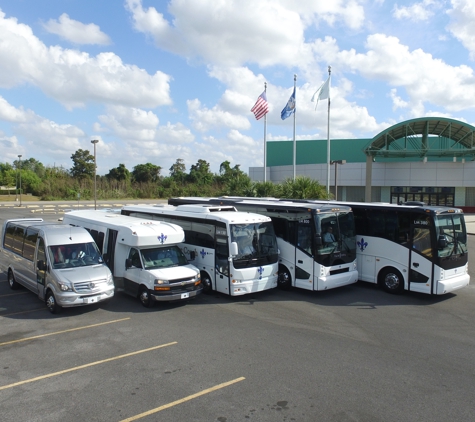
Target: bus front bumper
[{"x": 453, "y": 283}]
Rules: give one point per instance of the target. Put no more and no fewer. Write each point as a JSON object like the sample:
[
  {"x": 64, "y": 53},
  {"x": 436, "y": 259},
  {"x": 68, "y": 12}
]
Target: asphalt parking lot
[{"x": 349, "y": 354}]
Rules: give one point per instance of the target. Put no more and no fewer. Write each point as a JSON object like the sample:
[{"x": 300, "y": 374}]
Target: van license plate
[
  {"x": 90, "y": 299},
  {"x": 185, "y": 295}
]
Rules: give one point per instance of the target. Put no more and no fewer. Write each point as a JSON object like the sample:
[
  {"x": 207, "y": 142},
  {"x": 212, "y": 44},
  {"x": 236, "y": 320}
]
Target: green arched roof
[{"x": 427, "y": 136}]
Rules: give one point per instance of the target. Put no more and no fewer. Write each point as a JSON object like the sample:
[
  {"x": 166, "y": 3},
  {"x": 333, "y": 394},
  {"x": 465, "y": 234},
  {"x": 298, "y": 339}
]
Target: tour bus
[
  {"x": 306, "y": 260},
  {"x": 144, "y": 256},
  {"x": 62, "y": 265},
  {"x": 236, "y": 252},
  {"x": 412, "y": 246},
  {"x": 419, "y": 248}
]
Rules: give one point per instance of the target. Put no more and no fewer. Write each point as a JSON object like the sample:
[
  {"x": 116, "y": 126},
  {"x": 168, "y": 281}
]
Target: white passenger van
[
  {"x": 143, "y": 256},
  {"x": 62, "y": 265}
]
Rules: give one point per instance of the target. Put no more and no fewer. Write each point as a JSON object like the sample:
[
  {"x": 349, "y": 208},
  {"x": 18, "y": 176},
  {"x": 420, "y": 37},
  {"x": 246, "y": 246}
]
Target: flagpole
[
  {"x": 295, "y": 112},
  {"x": 328, "y": 138},
  {"x": 265, "y": 139}
]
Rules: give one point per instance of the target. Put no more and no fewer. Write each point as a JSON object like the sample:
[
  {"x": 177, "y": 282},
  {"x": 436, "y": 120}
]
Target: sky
[{"x": 157, "y": 81}]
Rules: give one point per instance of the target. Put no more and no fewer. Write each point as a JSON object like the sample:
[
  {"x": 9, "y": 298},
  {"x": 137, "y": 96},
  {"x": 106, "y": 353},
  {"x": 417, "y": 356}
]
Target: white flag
[{"x": 322, "y": 93}]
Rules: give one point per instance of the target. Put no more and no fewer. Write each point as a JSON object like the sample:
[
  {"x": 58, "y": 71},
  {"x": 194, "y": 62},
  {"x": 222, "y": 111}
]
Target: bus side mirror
[
  {"x": 41, "y": 265},
  {"x": 442, "y": 242},
  {"x": 234, "y": 248},
  {"x": 128, "y": 263},
  {"x": 318, "y": 239}
]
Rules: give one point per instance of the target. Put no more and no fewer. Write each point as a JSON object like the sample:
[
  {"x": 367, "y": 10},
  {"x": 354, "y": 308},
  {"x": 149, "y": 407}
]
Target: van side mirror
[
  {"x": 41, "y": 265},
  {"x": 128, "y": 263},
  {"x": 192, "y": 255},
  {"x": 233, "y": 249}
]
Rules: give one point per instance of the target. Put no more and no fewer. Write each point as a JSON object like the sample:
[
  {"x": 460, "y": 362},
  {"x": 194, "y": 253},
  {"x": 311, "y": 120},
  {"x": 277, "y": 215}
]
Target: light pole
[
  {"x": 95, "y": 141},
  {"x": 19, "y": 157},
  {"x": 336, "y": 162}
]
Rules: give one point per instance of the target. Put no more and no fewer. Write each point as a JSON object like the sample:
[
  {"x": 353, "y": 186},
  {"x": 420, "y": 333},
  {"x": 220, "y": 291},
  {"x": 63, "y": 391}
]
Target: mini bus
[{"x": 236, "y": 252}]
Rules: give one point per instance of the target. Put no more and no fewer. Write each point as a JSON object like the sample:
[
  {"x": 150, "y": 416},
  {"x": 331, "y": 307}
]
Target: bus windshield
[
  {"x": 256, "y": 242},
  {"x": 451, "y": 235},
  {"x": 337, "y": 233},
  {"x": 163, "y": 257}
]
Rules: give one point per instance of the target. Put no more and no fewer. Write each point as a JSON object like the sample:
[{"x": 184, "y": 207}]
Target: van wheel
[
  {"x": 144, "y": 297},
  {"x": 391, "y": 281},
  {"x": 51, "y": 303},
  {"x": 206, "y": 282},
  {"x": 284, "y": 280},
  {"x": 11, "y": 281}
]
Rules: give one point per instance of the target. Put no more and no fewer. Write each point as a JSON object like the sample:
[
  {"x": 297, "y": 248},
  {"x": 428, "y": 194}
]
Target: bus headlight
[{"x": 160, "y": 282}]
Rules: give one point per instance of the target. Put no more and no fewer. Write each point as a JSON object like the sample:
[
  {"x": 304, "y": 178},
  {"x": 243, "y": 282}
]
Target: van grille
[{"x": 90, "y": 286}]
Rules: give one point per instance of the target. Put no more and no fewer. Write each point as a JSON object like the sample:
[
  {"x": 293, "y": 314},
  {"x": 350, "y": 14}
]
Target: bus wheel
[
  {"x": 51, "y": 303},
  {"x": 391, "y": 281},
  {"x": 206, "y": 281},
  {"x": 144, "y": 296},
  {"x": 284, "y": 280},
  {"x": 11, "y": 281}
]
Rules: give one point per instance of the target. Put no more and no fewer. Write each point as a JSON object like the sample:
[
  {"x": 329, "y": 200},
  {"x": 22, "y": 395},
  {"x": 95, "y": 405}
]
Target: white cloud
[
  {"x": 461, "y": 25},
  {"x": 205, "y": 119},
  {"x": 421, "y": 11},
  {"x": 76, "y": 32},
  {"x": 72, "y": 77},
  {"x": 426, "y": 79},
  {"x": 234, "y": 33}
]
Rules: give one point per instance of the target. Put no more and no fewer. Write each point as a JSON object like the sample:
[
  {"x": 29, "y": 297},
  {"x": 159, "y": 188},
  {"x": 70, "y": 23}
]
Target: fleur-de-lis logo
[
  {"x": 362, "y": 244},
  {"x": 260, "y": 270},
  {"x": 162, "y": 238},
  {"x": 202, "y": 253}
]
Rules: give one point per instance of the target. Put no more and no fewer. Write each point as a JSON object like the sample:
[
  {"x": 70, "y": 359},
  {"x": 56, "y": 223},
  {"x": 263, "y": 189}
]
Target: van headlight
[
  {"x": 65, "y": 287},
  {"x": 110, "y": 279},
  {"x": 160, "y": 281}
]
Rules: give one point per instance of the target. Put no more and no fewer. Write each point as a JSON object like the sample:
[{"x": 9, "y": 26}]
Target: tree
[
  {"x": 200, "y": 173},
  {"x": 177, "y": 170},
  {"x": 146, "y": 172},
  {"x": 83, "y": 164},
  {"x": 31, "y": 164},
  {"x": 119, "y": 173}
]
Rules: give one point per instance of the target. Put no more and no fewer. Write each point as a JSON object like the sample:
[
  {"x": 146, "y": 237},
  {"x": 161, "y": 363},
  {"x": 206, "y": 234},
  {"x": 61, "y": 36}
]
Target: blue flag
[{"x": 289, "y": 109}]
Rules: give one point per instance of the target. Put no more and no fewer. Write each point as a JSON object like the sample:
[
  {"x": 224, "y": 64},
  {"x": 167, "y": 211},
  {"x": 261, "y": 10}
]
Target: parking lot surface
[{"x": 349, "y": 354}]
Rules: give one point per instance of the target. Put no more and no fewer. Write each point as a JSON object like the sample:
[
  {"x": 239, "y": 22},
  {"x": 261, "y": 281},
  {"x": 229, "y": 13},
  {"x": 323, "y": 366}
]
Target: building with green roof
[{"x": 429, "y": 159}]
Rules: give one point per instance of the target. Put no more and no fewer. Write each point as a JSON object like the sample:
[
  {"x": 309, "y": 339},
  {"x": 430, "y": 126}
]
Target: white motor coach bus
[
  {"x": 143, "y": 256},
  {"x": 236, "y": 252},
  {"x": 306, "y": 259},
  {"x": 62, "y": 265}
]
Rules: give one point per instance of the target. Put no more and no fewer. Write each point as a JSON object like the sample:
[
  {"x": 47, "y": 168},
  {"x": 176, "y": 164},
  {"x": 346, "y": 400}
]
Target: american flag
[{"x": 261, "y": 108}]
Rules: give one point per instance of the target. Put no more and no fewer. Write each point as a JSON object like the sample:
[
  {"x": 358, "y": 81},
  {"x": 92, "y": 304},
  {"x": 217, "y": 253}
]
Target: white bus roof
[
  {"x": 226, "y": 213},
  {"x": 131, "y": 231}
]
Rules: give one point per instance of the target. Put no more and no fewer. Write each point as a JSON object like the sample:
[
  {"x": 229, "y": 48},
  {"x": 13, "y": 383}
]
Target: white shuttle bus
[
  {"x": 307, "y": 259},
  {"x": 236, "y": 252},
  {"x": 143, "y": 256},
  {"x": 62, "y": 265}
]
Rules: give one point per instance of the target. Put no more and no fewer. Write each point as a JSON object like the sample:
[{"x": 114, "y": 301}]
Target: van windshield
[
  {"x": 74, "y": 255},
  {"x": 163, "y": 257}
]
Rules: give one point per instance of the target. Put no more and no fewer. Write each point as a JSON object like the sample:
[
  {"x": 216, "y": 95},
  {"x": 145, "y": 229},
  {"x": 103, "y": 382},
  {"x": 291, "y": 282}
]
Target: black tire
[
  {"x": 11, "y": 281},
  {"x": 391, "y": 281},
  {"x": 284, "y": 280},
  {"x": 206, "y": 282},
  {"x": 144, "y": 297},
  {"x": 51, "y": 303}
]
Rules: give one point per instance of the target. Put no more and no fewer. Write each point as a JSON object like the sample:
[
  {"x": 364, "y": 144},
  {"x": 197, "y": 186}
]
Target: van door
[{"x": 41, "y": 273}]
